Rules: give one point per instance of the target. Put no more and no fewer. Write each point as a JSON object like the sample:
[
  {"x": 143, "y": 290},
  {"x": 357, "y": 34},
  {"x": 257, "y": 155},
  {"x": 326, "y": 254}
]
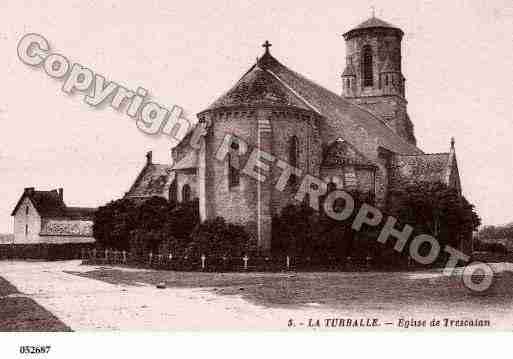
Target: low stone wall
[{"x": 44, "y": 251}]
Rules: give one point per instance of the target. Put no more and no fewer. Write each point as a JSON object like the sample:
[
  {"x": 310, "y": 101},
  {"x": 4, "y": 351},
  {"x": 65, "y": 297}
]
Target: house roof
[
  {"x": 47, "y": 203},
  {"x": 84, "y": 213},
  {"x": 342, "y": 153},
  {"x": 153, "y": 180},
  {"x": 341, "y": 118},
  {"x": 57, "y": 218}
]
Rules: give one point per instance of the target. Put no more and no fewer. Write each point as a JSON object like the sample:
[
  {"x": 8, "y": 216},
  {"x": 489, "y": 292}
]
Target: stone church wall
[
  {"x": 287, "y": 124},
  {"x": 237, "y": 204}
]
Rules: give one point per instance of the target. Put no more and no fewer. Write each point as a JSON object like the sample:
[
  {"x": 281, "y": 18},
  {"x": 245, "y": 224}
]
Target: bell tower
[{"x": 373, "y": 77}]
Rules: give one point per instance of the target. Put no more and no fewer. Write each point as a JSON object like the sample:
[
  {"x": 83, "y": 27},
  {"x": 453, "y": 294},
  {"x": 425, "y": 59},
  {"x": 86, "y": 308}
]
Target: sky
[{"x": 457, "y": 59}]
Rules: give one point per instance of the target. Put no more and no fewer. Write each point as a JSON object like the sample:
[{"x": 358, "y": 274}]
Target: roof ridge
[
  {"x": 425, "y": 154},
  {"x": 293, "y": 91}
]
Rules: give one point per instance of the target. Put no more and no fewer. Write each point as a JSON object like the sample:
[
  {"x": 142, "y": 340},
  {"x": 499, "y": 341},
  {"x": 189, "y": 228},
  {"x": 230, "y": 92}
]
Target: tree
[
  {"x": 141, "y": 226},
  {"x": 113, "y": 223},
  {"x": 434, "y": 208}
]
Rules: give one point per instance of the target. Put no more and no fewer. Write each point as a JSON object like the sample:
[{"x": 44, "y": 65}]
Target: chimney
[
  {"x": 29, "y": 190},
  {"x": 61, "y": 194},
  {"x": 149, "y": 158}
]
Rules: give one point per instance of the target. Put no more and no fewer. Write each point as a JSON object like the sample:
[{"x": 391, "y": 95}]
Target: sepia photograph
[{"x": 248, "y": 166}]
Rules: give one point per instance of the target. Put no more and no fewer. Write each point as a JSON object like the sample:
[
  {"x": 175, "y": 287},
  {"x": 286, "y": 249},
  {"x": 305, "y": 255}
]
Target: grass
[
  {"x": 20, "y": 313},
  {"x": 346, "y": 291}
]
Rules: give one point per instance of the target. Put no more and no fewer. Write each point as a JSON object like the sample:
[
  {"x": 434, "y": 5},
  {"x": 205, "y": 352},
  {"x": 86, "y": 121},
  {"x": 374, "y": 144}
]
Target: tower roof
[{"x": 372, "y": 23}]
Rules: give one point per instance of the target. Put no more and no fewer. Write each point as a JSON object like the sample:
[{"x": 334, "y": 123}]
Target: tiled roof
[
  {"x": 423, "y": 168},
  {"x": 84, "y": 213},
  {"x": 258, "y": 86},
  {"x": 47, "y": 203},
  {"x": 374, "y": 22},
  {"x": 153, "y": 180},
  {"x": 341, "y": 153},
  {"x": 341, "y": 117},
  {"x": 63, "y": 227}
]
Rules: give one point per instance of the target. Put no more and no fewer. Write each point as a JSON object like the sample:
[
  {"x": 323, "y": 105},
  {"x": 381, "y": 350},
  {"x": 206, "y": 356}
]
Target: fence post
[
  {"x": 94, "y": 255},
  {"x": 288, "y": 262},
  {"x": 245, "y": 260},
  {"x": 124, "y": 257},
  {"x": 151, "y": 257},
  {"x": 203, "y": 259}
]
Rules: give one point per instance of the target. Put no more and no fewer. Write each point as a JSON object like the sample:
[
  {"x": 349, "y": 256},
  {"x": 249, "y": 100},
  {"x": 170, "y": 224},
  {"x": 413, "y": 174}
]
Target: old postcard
[{"x": 305, "y": 167}]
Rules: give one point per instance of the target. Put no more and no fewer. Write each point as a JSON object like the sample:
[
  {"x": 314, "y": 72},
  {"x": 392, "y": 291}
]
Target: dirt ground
[{"x": 116, "y": 298}]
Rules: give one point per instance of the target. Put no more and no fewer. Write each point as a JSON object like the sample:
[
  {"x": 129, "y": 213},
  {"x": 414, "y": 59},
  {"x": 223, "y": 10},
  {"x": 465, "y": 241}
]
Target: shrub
[{"x": 218, "y": 239}]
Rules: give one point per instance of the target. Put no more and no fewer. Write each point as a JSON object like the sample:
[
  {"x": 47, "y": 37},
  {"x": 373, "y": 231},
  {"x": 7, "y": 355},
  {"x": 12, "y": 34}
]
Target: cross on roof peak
[{"x": 267, "y": 45}]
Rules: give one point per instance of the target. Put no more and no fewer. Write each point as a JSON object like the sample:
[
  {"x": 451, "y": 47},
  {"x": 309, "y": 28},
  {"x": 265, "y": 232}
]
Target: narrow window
[
  {"x": 186, "y": 193},
  {"x": 173, "y": 191},
  {"x": 367, "y": 73},
  {"x": 233, "y": 166},
  {"x": 26, "y": 210},
  {"x": 293, "y": 151},
  {"x": 26, "y": 230},
  {"x": 293, "y": 160}
]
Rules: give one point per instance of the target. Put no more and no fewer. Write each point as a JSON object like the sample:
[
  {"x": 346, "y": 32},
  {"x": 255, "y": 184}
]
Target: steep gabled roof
[
  {"x": 153, "y": 180},
  {"x": 258, "y": 86},
  {"x": 50, "y": 205},
  {"x": 270, "y": 82}
]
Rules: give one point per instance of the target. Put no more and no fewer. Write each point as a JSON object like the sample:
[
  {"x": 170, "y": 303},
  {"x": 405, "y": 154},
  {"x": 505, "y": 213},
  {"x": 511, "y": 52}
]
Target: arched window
[
  {"x": 186, "y": 193},
  {"x": 367, "y": 74},
  {"x": 173, "y": 192},
  {"x": 233, "y": 165}
]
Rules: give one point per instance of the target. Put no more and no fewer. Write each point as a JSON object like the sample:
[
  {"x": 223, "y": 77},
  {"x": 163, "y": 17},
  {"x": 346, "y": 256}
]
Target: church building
[{"x": 360, "y": 139}]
